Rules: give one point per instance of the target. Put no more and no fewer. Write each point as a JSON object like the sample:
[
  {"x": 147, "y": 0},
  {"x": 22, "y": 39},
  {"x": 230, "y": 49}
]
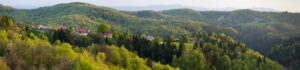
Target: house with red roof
[
  {"x": 176, "y": 39},
  {"x": 107, "y": 35},
  {"x": 83, "y": 31}
]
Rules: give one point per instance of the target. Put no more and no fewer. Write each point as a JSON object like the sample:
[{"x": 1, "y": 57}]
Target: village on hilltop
[{"x": 86, "y": 31}]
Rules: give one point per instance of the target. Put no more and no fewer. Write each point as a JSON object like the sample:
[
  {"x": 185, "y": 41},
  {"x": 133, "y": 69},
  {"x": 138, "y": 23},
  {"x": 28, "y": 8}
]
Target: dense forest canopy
[
  {"x": 288, "y": 51},
  {"x": 215, "y": 34},
  {"x": 82, "y": 15},
  {"x": 23, "y": 48}
]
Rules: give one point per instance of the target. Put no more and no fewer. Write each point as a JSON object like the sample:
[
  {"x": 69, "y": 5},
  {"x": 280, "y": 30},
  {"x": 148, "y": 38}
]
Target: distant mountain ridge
[
  {"x": 167, "y": 7},
  {"x": 177, "y": 6},
  {"x": 156, "y": 7}
]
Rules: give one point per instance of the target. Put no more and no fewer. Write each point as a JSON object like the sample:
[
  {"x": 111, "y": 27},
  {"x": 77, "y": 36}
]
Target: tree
[
  {"x": 225, "y": 63},
  {"x": 170, "y": 39},
  {"x": 3, "y": 65},
  {"x": 7, "y": 22},
  {"x": 186, "y": 39},
  {"x": 103, "y": 28},
  {"x": 42, "y": 36},
  {"x": 115, "y": 56},
  {"x": 157, "y": 40},
  {"x": 182, "y": 48},
  {"x": 195, "y": 60},
  {"x": 28, "y": 32}
]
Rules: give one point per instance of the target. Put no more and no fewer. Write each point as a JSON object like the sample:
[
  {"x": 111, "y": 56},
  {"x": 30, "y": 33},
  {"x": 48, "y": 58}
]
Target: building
[
  {"x": 176, "y": 39},
  {"x": 149, "y": 37},
  {"x": 39, "y": 26},
  {"x": 107, "y": 35},
  {"x": 193, "y": 42},
  {"x": 83, "y": 32}
]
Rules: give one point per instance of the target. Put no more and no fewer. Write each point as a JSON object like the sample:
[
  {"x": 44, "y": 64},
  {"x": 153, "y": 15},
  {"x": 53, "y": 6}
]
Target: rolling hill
[
  {"x": 20, "y": 49},
  {"x": 83, "y": 15},
  {"x": 260, "y": 31}
]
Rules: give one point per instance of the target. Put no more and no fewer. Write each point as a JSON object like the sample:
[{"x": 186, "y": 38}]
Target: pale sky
[{"x": 283, "y": 5}]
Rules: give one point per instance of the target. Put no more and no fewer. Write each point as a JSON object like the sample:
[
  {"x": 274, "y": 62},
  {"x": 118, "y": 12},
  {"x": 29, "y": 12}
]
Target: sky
[{"x": 283, "y": 5}]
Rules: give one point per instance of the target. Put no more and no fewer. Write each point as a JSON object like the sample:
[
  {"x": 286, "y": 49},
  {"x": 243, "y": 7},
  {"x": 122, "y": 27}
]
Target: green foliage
[
  {"x": 7, "y": 23},
  {"x": 3, "y": 42},
  {"x": 155, "y": 50},
  {"x": 82, "y": 15},
  {"x": 40, "y": 54},
  {"x": 3, "y": 65},
  {"x": 157, "y": 40},
  {"x": 187, "y": 14},
  {"x": 212, "y": 50},
  {"x": 6, "y": 9},
  {"x": 148, "y": 14},
  {"x": 225, "y": 63},
  {"x": 158, "y": 66},
  {"x": 182, "y": 49},
  {"x": 217, "y": 51},
  {"x": 194, "y": 61},
  {"x": 287, "y": 53},
  {"x": 186, "y": 39},
  {"x": 27, "y": 53},
  {"x": 115, "y": 56},
  {"x": 103, "y": 28},
  {"x": 86, "y": 62}
]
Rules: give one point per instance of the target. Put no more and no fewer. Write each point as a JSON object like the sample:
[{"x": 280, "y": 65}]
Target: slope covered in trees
[
  {"x": 21, "y": 49},
  {"x": 287, "y": 53},
  {"x": 169, "y": 22},
  {"x": 258, "y": 30},
  {"x": 83, "y": 15},
  {"x": 221, "y": 52},
  {"x": 261, "y": 31}
]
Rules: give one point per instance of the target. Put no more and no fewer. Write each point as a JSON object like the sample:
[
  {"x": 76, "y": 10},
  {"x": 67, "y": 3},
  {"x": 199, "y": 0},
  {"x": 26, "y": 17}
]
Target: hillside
[
  {"x": 260, "y": 31},
  {"x": 82, "y": 15},
  {"x": 289, "y": 53},
  {"x": 178, "y": 6},
  {"x": 6, "y": 8},
  {"x": 257, "y": 29},
  {"x": 31, "y": 52},
  {"x": 20, "y": 48}
]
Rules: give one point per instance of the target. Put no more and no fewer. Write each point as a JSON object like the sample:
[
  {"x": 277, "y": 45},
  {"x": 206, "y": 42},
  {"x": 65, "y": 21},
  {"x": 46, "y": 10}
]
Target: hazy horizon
[{"x": 290, "y": 5}]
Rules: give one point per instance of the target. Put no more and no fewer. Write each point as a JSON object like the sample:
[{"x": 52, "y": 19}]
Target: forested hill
[
  {"x": 266, "y": 32},
  {"x": 260, "y": 31},
  {"x": 25, "y": 49},
  {"x": 256, "y": 29},
  {"x": 6, "y": 8},
  {"x": 287, "y": 53},
  {"x": 83, "y": 15},
  {"x": 220, "y": 17}
]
